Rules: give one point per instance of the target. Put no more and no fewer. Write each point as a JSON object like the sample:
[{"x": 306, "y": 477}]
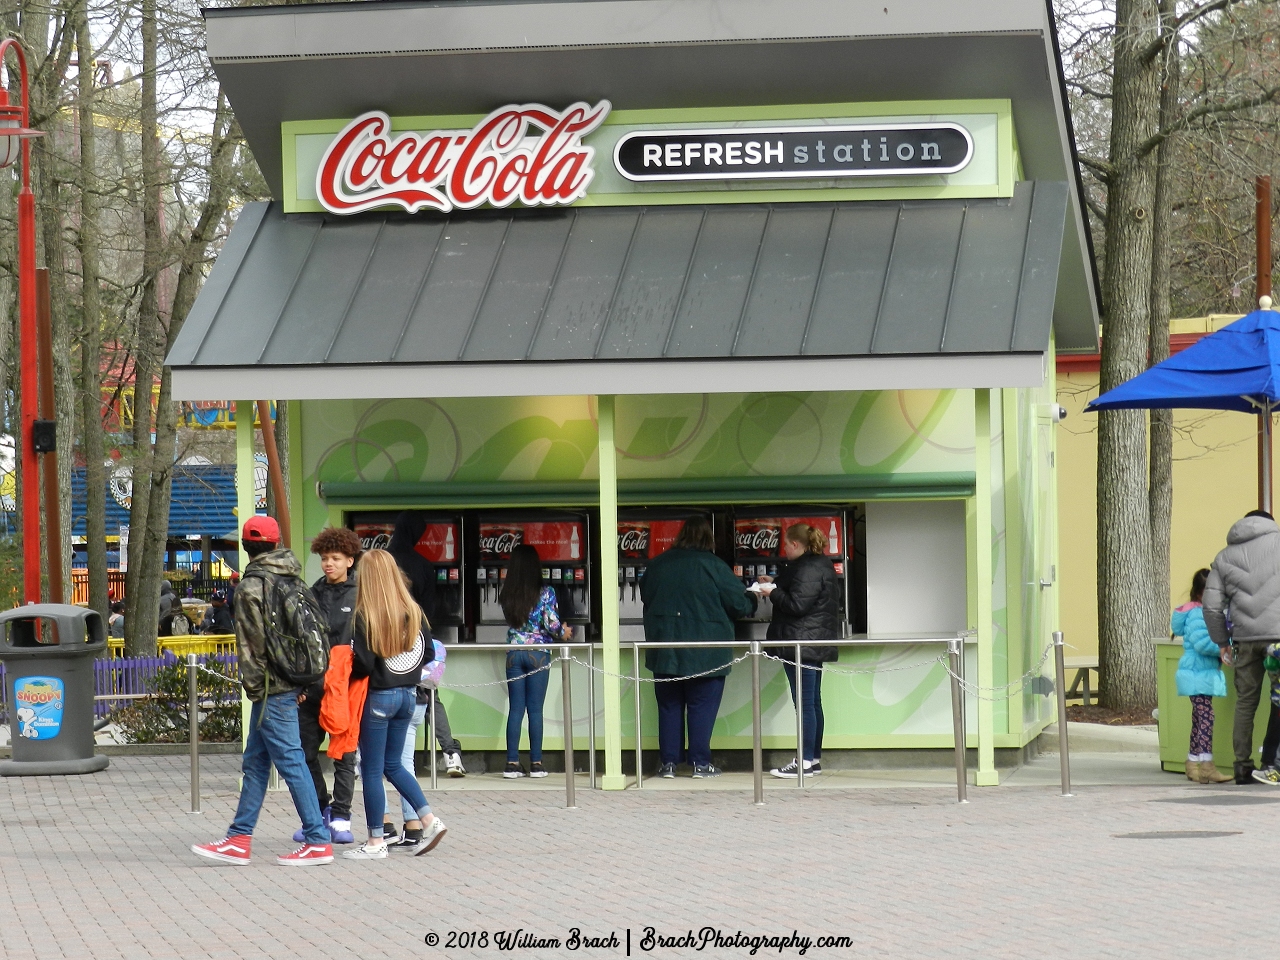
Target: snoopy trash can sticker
[{"x": 39, "y": 702}]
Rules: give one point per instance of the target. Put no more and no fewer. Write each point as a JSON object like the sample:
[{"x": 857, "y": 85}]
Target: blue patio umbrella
[{"x": 1236, "y": 368}]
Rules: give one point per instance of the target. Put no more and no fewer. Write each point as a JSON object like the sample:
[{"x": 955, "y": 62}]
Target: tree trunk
[
  {"x": 144, "y": 592},
  {"x": 95, "y": 527},
  {"x": 1126, "y": 616},
  {"x": 1160, "y": 480}
]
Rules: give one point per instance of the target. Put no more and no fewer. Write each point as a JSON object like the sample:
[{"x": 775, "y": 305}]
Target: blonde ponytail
[{"x": 813, "y": 539}]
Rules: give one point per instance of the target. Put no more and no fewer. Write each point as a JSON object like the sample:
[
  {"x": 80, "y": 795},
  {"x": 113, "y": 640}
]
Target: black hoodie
[
  {"x": 337, "y": 601},
  {"x": 410, "y": 525}
]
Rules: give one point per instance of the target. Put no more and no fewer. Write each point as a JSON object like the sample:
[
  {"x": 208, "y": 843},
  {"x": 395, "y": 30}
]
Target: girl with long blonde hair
[{"x": 390, "y": 643}]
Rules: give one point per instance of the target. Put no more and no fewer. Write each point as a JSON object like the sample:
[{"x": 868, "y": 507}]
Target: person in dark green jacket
[{"x": 690, "y": 594}]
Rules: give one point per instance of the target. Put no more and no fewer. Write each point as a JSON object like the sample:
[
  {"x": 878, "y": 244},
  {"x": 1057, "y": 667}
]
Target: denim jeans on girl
[
  {"x": 811, "y": 679},
  {"x": 382, "y": 734},
  {"x": 274, "y": 739},
  {"x": 406, "y": 757},
  {"x": 527, "y": 694}
]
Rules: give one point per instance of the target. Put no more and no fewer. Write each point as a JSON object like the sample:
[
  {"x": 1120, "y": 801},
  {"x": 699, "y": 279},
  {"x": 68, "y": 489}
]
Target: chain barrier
[
  {"x": 214, "y": 673},
  {"x": 1020, "y": 683},
  {"x": 627, "y": 676},
  {"x": 495, "y": 683},
  {"x": 828, "y": 669}
]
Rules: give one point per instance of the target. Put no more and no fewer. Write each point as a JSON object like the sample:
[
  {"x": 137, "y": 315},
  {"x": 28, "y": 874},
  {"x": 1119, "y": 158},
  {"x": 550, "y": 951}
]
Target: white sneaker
[
  {"x": 811, "y": 769},
  {"x": 430, "y": 837},
  {"x": 453, "y": 765},
  {"x": 366, "y": 851}
]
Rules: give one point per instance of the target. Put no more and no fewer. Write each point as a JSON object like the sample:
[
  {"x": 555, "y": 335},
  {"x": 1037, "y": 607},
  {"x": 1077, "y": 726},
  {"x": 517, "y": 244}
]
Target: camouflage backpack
[{"x": 297, "y": 644}]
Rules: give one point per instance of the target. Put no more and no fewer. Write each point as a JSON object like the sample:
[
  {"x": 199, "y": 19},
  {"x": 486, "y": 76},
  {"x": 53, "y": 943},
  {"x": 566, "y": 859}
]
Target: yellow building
[{"x": 1215, "y": 482}]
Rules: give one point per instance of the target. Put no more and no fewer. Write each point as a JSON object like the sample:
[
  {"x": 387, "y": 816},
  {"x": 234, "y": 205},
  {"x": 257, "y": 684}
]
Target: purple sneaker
[
  {"x": 300, "y": 835},
  {"x": 340, "y": 831}
]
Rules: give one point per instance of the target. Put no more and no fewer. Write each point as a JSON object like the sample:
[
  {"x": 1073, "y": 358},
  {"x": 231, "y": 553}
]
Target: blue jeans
[
  {"x": 811, "y": 680},
  {"x": 527, "y": 694},
  {"x": 406, "y": 758},
  {"x": 274, "y": 740},
  {"x": 699, "y": 700},
  {"x": 382, "y": 734}
]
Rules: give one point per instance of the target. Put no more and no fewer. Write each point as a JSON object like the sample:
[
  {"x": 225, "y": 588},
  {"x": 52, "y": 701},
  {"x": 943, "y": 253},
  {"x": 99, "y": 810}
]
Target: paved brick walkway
[{"x": 98, "y": 867}]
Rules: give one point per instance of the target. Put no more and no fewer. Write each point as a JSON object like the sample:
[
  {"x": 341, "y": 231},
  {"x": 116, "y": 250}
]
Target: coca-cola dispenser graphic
[
  {"x": 642, "y": 535},
  {"x": 561, "y": 541},
  {"x": 757, "y": 545},
  {"x": 441, "y": 543}
]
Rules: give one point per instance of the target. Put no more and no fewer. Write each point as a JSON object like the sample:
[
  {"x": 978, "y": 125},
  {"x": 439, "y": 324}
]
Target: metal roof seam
[
  {"x": 551, "y": 285},
  {"x": 684, "y": 284},
  {"x": 1022, "y": 274},
  {"x": 355, "y": 289},
  {"x": 417, "y": 294},
  {"x": 817, "y": 280},
  {"x": 302, "y": 266},
  {"x": 751, "y": 283},
  {"x": 884, "y": 281},
  {"x": 617, "y": 284},
  {"x": 204, "y": 337},
  {"x": 955, "y": 273},
  {"x": 484, "y": 293}
]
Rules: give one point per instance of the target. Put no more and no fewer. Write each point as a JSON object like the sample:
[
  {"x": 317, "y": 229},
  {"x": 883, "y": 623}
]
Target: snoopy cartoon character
[{"x": 27, "y": 717}]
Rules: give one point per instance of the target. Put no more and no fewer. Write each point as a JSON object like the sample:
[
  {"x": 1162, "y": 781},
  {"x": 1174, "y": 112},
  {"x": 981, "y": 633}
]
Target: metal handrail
[{"x": 954, "y": 641}]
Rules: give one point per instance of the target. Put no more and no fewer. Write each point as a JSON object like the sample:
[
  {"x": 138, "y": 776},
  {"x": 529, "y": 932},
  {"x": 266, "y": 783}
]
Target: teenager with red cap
[{"x": 274, "y": 738}]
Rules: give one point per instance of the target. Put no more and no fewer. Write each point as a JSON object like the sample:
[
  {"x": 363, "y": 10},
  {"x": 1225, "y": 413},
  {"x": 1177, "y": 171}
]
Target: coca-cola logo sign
[
  {"x": 527, "y": 153},
  {"x": 633, "y": 541},
  {"x": 500, "y": 544},
  {"x": 758, "y": 540}
]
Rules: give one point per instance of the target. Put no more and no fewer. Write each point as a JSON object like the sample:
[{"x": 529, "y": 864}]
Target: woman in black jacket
[{"x": 806, "y": 606}]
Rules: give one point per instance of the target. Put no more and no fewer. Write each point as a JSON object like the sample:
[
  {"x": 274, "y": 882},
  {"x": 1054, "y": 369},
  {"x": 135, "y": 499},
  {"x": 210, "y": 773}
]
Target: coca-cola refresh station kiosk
[{"x": 547, "y": 270}]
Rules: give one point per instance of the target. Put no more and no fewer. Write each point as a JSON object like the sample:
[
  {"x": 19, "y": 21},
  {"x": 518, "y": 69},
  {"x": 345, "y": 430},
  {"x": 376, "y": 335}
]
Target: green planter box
[{"x": 1175, "y": 714}]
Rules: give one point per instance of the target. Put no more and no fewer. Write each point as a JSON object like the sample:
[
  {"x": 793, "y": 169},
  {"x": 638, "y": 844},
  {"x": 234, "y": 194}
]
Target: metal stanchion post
[
  {"x": 193, "y": 729},
  {"x": 635, "y": 669},
  {"x": 431, "y": 735},
  {"x": 757, "y": 753},
  {"x": 1062, "y": 712},
  {"x": 566, "y": 697},
  {"x": 591, "y": 714},
  {"x": 799, "y": 720},
  {"x": 955, "y": 652}
]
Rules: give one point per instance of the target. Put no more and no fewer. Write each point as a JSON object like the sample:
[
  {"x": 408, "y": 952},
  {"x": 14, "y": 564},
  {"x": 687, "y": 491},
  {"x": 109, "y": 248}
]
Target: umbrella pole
[{"x": 1264, "y": 461}]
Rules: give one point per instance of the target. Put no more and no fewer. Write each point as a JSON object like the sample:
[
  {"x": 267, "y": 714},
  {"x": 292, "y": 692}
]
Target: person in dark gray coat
[
  {"x": 806, "y": 606},
  {"x": 1244, "y": 582}
]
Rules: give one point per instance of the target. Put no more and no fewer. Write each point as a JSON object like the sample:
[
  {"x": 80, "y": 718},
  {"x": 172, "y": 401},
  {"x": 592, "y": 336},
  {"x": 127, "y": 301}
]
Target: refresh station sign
[{"x": 812, "y": 152}]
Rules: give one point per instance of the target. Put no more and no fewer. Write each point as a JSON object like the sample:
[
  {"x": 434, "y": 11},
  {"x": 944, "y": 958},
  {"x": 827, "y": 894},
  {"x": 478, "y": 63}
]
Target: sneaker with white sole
[
  {"x": 431, "y": 836},
  {"x": 367, "y": 851},
  {"x": 453, "y": 765},
  {"x": 536, "y": 771},
  {"x": 790, "y": 772},
  {"x": 227, "y": 850},
  {"x": 1268, "y": 775},
  {"x": 705, "y": 771},
  {"x": 307, "y": 855},
  {"x": 513, "y": 772}
]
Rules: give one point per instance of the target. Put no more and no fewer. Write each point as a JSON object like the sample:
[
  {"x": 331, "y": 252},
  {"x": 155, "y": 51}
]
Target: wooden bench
[{"x": 1082, "y": 666}]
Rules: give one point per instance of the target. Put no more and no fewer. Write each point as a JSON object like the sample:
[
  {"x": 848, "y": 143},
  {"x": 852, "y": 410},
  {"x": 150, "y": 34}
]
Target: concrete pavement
[{"x": 99, "y": 867}]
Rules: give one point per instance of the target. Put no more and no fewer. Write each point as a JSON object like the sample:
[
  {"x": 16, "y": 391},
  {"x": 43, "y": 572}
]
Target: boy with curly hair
[{"x": 338, "y": 549}]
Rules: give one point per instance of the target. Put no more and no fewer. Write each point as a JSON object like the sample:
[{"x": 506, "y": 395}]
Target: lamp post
[{"x": 15, "y": 138}]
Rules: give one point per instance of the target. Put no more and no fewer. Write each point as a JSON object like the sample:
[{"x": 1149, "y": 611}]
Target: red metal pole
[
  {"x": 29, "y": 385},
  {"x": 49, "y": 464}
]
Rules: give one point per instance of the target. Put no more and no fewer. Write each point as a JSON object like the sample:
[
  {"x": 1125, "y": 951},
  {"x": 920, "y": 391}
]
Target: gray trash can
[{"x": 48, "y": 651}]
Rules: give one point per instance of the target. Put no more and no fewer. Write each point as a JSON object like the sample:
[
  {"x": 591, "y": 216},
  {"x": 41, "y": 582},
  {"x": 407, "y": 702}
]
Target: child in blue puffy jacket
[{"x": 1200, "y": 678}]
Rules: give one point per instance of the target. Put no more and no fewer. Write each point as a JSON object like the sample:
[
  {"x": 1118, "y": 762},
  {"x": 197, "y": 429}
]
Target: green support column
[
  {"x": 986, "y": 775},
  {"x": 297, "y": 489},
  {"x": 245, "y": 508},
  {"x": 613, "y": 778}
]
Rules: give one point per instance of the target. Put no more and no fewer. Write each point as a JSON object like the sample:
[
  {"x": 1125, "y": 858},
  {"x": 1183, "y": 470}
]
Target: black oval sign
[{"x": 730, "y": 153}]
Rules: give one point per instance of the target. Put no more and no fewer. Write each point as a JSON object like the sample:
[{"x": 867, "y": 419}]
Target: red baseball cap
[{"x": 261, "y": 530}]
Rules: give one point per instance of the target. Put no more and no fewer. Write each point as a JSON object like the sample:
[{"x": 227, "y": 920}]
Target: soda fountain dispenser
[
  {"x": 440, "y": 543},
  {"x": 561, "y": 542},
  {"x": 642, "y": 535}
]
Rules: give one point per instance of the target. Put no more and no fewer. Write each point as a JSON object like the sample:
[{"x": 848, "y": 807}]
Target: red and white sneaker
[
  {"x": 308, "y": 855},
  {"x": 228, "y": 850}
]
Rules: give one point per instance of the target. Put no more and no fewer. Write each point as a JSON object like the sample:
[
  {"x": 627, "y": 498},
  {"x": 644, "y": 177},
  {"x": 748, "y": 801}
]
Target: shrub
[{"x": 163, "y": 717}]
